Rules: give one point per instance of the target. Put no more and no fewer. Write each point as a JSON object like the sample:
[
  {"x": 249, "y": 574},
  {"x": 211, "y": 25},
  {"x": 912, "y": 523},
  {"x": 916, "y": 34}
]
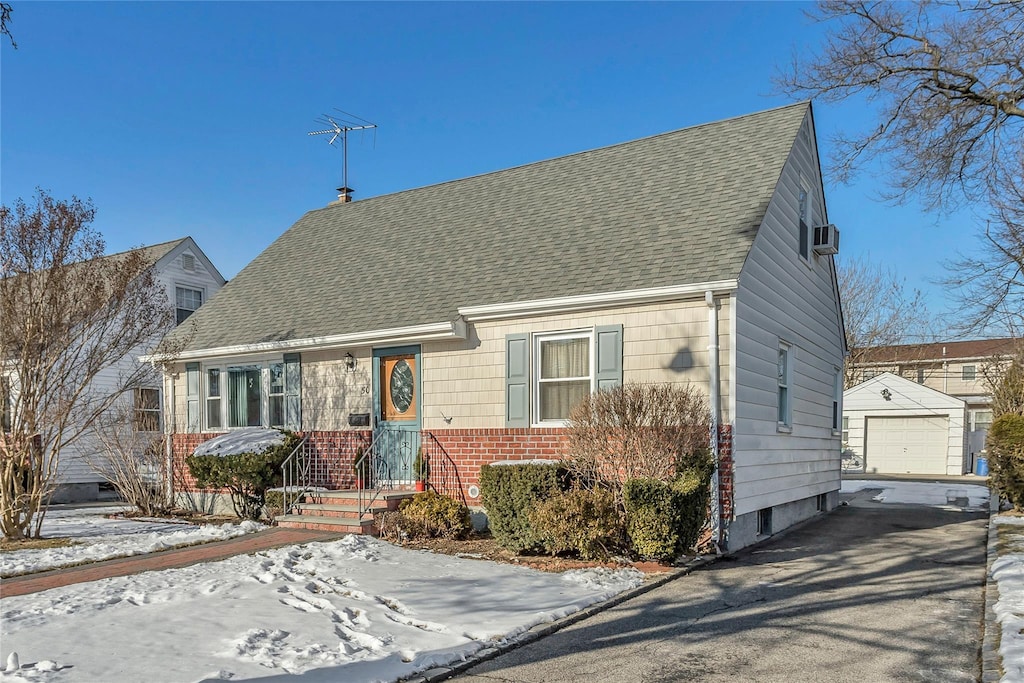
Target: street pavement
[{"x": 868, "y": 593}]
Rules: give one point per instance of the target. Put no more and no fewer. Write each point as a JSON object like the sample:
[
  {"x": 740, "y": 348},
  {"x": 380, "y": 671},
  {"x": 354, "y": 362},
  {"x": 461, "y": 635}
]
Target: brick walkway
[{"x": 166, "y": 559}]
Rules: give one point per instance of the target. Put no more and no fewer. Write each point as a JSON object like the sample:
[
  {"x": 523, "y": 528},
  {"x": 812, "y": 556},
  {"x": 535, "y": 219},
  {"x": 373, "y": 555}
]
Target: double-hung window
[
  {"x": 804, "y": 208},
  {"x": 251, "y": 394},
  {"x": 564, "y": 373},
  {"x": 837, "y": 397},
  {"x": 186, "y": 302},
  {"x": 968, "y": 373},
  {"x": 548, "y": 373},
  {"x": 785, "y": 402},
  {"x": 147, "y": 410}
]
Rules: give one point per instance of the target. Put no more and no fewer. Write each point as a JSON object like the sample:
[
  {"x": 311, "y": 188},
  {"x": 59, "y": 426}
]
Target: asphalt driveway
[{"x": 867, "y": 593}]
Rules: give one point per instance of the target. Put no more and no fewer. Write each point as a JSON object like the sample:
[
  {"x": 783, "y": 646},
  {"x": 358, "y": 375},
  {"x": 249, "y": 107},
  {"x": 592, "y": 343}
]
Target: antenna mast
[{"x": 338, "y": 128}]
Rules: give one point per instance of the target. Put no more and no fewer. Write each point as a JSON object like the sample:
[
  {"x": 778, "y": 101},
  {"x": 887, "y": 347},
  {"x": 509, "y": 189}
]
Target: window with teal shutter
[
  {"x": 517, "y": 380},
  {"x": 608, "y": 345},
  {"x": 192, "y": 397},
  {"x": 292, "y": 391}
]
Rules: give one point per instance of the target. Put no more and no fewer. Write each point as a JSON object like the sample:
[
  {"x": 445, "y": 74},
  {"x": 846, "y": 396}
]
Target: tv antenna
[{"x": 339, "y": 127}]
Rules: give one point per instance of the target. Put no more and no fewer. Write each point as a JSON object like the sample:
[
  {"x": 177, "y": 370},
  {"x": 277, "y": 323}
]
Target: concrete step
[
  {"x": 386, "y": 500},
  {"x": 333, "y": 524},
  {"x": 332, "y": 510}
]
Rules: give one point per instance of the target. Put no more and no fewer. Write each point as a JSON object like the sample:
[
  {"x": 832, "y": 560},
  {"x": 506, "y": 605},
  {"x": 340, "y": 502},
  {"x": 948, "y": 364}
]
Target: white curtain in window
[{"x": 563, "y": 358}]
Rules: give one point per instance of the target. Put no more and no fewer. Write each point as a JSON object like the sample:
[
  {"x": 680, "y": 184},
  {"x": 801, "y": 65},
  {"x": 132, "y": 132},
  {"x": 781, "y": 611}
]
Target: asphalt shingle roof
[{"x": 672, "y": 209}]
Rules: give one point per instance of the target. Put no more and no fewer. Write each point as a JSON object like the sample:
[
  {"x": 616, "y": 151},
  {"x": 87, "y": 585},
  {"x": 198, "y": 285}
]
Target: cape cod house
[{"x": 461, "y": 321}]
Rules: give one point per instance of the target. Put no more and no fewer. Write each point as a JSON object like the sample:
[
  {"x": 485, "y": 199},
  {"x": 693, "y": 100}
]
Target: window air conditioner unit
[{"x": 826, "y": 239}]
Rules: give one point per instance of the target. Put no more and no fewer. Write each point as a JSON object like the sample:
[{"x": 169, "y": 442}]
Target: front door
[{"x": 397, "y": 404}]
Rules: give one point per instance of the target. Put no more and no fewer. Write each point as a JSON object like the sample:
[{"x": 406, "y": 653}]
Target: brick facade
[{"x": 333, "y": 454}]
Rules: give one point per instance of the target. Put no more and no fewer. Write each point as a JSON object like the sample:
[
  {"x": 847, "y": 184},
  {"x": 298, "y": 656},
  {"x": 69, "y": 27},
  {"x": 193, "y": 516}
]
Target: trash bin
[{"x": 981, "y": 466}]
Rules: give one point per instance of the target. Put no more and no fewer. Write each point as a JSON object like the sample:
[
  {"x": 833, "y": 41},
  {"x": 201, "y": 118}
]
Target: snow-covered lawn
[
  {"x": 101, "y": 538},
  {"x": 356, "y": 609}
]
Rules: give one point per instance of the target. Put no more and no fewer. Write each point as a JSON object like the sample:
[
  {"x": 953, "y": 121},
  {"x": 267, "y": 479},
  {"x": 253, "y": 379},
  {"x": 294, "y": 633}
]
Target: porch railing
[
  {"x": 386, "y": 462},
  {"x": 443, "y": 476},
  {"x": 295, "y": 476}
]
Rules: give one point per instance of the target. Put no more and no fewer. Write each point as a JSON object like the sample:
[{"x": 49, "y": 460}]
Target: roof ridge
[{"x": 571, "y": 155}]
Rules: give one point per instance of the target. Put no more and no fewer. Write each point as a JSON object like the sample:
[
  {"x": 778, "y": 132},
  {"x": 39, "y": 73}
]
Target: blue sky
[{"x": 192, "y": 118}]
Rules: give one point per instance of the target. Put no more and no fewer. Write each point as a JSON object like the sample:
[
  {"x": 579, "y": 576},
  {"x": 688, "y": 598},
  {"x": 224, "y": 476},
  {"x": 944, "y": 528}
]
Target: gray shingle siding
[{"x": 677, "y": 208}]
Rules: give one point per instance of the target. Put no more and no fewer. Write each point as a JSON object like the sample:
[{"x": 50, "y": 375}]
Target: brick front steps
[{"x": 338, "y": 511}]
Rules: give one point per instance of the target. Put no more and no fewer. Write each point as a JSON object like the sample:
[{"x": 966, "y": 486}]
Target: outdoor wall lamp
[
  {"x": 350, "y": 362},
  {"x": 886, "y": 394}
]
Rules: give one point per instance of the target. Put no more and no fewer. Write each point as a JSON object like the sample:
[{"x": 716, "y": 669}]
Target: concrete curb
[
  {"x": 991, "y": 661},
  {"x": 443, "y": 673}
]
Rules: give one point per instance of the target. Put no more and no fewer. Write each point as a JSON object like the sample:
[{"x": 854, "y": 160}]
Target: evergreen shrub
[{"x": 509, "y": 493}]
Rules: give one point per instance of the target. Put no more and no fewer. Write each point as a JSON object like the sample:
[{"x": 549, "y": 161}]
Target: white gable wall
[
  {"x": 782, "y": 298},
  {"x": 74, "y": 468},
  {"x": 907, "y": 399}
]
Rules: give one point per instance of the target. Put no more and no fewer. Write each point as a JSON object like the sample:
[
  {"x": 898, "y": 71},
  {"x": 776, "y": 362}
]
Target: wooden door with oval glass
[{"x": 397, "y": 403}]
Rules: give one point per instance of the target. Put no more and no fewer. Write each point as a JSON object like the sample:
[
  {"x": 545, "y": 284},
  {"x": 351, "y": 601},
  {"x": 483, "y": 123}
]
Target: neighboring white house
[
  {"x": 893, "y": 425},
  {"x": 190, "y": 280},
  {"x": 467, "y": 318}
]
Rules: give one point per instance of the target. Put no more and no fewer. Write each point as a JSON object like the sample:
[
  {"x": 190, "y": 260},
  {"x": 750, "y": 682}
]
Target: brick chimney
[{"x": 344, "y": 195}]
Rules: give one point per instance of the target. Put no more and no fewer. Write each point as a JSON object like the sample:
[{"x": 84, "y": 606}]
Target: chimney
[{"x": 344, "y": 195}]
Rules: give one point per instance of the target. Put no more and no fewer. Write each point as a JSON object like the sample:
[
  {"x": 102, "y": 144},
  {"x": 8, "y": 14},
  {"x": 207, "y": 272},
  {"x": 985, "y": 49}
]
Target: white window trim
[
  {"x": 805, "y": 187},
  {"x": 136, "y": 409},
  {"x": 536, "y": 339},
  {"x": 837, "y": 401},
  {"x": 195, "y": 288},
  {"x": 263, "y": 363},
  {"x": 786, "y": 381}
]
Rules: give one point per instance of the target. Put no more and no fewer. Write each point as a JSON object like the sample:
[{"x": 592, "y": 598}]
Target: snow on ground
[
  {"x": 937, "y": 493},
  {"x": 101, "y": 538},
  {"x": 248, "y": 440},
  {"x": 1008, "y": 572},
  {"x": 356, "y": 609}
]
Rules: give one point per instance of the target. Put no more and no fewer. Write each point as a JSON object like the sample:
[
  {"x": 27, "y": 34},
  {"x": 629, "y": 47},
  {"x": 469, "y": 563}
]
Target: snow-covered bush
[{"x": 247, "y": 466}]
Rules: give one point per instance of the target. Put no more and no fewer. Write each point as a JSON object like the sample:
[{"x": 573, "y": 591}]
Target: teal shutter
[
  {"x": 292, "y": 391},
  {"x": 517, "y": 380},
  {"x": 192, "y": 397},
  {"x": 608, "y": 344}
]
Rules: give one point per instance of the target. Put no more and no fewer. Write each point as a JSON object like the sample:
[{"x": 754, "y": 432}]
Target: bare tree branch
[
  {"x": 67, "y": 314},
  {"x": 947, "y": 81}
]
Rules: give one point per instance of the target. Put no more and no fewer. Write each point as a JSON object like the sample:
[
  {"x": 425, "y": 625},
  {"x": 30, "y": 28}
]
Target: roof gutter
[
  {"x": 582, "y": 302},
  {"x": 455, "y": 329}
]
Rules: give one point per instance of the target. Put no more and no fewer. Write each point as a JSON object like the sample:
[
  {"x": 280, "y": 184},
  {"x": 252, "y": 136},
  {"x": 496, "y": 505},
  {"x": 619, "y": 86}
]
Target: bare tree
[
  {"x": 947, "y": 80},
  {"x": 132, "y": 457},
  {"x": 66, "y": 314},
  {"x": 5, "y": 22},
  {"x": 877, "y": 311}
]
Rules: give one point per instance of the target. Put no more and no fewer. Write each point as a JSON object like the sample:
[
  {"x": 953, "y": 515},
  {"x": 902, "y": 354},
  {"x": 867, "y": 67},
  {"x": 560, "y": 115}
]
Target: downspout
[
  {"x": 170, "y": 424},
  {"x": 715, "y": 400}
]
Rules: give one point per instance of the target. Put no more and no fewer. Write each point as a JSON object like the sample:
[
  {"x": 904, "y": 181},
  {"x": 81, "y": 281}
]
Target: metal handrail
[
  {"x": 294, "y": 476},
  {"x": 375, "y": 468},
  {"x": 447, "y": 482}
]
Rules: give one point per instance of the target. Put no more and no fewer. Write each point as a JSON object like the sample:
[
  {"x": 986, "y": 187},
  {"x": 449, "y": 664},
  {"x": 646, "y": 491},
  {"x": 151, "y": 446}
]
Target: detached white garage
[{"x": 896, "y": 426}]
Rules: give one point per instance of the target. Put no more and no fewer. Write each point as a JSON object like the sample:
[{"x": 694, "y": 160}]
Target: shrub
[
  {"x": 509, "y": 492},
  {"x": 247, "y": 476},
  {"x": 664, "y": 520},
  {"x": 437, "y": 515},
  {"x": 1006, "y": 457},
  {"x": 585, "y": 522},
  {"x": 634, "y": 431}
]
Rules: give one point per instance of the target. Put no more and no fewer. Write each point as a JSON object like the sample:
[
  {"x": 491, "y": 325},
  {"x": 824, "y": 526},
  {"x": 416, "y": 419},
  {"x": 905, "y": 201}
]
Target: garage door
[{"x": 896, "y": 445}]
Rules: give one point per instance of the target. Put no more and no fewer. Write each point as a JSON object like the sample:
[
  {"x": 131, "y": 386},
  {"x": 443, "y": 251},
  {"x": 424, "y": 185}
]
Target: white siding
[
  {"x": 74, "y": 459},
  {"x": 783, "y": 298}
]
